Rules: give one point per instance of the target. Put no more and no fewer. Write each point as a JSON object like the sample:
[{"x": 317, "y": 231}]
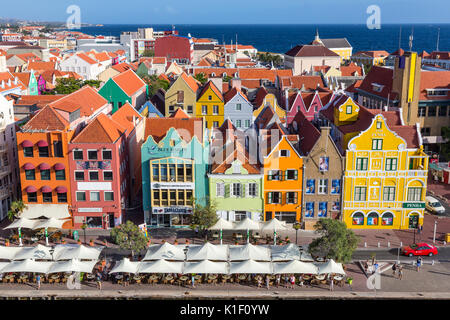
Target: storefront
[{"x": 171, "y": 216}]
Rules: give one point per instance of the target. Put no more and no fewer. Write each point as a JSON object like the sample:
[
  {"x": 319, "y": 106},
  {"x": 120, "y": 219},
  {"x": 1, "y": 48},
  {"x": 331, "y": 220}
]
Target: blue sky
[{"x": 230, "y": 11}]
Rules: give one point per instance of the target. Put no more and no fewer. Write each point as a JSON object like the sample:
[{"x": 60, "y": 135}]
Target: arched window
[
  {"x": 358, "y": 219},
  {"x": 372, "y": 219},
  {"x": 213, "y": 74},
  {"x": 387, "y": 219}
]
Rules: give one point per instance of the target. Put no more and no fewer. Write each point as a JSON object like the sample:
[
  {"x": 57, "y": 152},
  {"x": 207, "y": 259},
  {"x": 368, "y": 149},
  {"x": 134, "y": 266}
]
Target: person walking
[
  {"x": 330, "y": 277},
  {"x": 38, "y": 281},
  {"x": 400, "y": 272},
  {"x": 394, "y": 270},
  {"x": 126, "y": 280},
  {"x": 286, "y": 280},
  {"x": 278, "y": 280},
  {"x": 292, "y": 281},
  {"x": 419, "y": 263},
  {"x": 99, "y": 281},
  {"x": 267, "y": 281},
  {"x": 193, "y": 280}
]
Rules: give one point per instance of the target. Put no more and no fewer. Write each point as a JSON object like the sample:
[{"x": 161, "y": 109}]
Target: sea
[{"x": 281, "y": 37}]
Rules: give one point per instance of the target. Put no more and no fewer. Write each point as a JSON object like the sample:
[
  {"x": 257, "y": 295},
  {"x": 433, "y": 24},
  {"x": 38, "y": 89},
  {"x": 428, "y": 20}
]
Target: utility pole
[{"x": 434, "y": 233}]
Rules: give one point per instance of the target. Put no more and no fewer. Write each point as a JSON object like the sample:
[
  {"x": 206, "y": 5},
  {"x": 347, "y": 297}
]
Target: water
[{"x": 280, "y": 38}]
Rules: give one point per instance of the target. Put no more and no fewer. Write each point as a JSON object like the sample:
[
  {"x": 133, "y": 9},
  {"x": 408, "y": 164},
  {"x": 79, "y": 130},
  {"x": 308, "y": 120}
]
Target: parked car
[
  {"x": 433, "y": 205},
  {"x": 420, "y": 249}
]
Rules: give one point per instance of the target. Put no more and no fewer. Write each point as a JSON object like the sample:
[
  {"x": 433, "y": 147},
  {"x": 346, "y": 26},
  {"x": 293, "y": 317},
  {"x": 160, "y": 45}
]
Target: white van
[{"x": 434, "y": 206}]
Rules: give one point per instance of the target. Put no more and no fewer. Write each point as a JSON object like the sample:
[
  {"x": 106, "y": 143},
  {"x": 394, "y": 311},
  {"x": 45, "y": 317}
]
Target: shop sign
[
  {"x": 90, "y": 209},
  {"x": 172, "y": 210},
  {"x": 414, "y": 205},
  {"x": 171, "y": 185}
]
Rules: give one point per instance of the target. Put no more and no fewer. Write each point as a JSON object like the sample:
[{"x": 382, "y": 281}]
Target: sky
[{"x": 230, "y": 11}]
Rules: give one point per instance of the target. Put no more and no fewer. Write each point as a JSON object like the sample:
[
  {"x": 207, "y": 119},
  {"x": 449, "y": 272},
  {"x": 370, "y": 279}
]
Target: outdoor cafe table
[
  {"x": 119, "y": 276},
  {"x": 184, "y": 279},
  {"x": 226, "y": 277},
  {"x": 9, "y": 278},
  {"x": 338, "y": 278},
  {"x": 306, "y": 277},
  {"x": 321, "y": 276},
  {"x": 137, "y": 279},
  {"x": 197, "y": 277},
  {"x": 23, "y": 278},
  {"x": 54, "y": 277},
  {"x": 154, "y": 277},
  {"x": 212, "y": 277},
  {"x": 242, "y": 277},
  {"x": 90, "y": 276}
]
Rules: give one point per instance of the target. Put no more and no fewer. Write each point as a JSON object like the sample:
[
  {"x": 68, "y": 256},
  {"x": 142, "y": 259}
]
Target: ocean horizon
[{"x": 281, "y": 37}]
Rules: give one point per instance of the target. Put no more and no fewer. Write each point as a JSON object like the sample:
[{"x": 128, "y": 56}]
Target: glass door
[{"x": 413, "y": 221}]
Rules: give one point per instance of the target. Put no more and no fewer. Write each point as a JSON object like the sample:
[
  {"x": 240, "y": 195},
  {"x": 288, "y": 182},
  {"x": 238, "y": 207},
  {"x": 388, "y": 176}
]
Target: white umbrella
[
  {"x": 164, "y": 251},
  {"x": 38, "y": 252},
  {"x": 285, "y": 253},
  {"x": 79, "y": 252},
  {"x": 222, "y": 224},
  {"x": 205, "y": 266},
  {"x": 331, "y": 267},
  {"x": 23, "y": 223},
  {"x": 294, "y": 266},
  {"x": 28, "y": 265},
  {"x": 73, "y": 265},
  {"x": 8, "y": 253},
  {"x": 2, "y": 265},
  {"x": 49, "y": 223},
  {"x": 274, "y": 225},
  {"x": 250, "y": 267},
  {"x": 207, "y": 251},
  {"x": 247, "y": 224},
  {"x": 125, "y": 265},
  {"x": 160, "y": 266},
  {"x": 249, "y": 251},
  {"x": 305, "y": 256}
]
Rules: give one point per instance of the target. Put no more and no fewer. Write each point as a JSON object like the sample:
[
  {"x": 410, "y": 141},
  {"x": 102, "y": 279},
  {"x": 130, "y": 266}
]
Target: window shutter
[
  {"x": 269, "y": 177},
  {"x": 247, "y": 190},
  {"x": 269, "y": 197},
  {"x": 227, "y": 190},
  {"x": 256, "y": 189},
  {"x": 295, "y": 174},
  {"x": 286, "y": 174},
  {"x": 295, "y": 197},
  {"x": 243, "y": 189}
]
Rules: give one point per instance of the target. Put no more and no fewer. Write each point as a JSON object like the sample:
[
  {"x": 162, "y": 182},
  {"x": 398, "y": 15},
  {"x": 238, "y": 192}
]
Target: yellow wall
[
  {"x": 377, "y": 177},
  {"x": 342, "y": 117},
  {"x": 271, "y": 100},
  {"x": 210, "y": 117}
]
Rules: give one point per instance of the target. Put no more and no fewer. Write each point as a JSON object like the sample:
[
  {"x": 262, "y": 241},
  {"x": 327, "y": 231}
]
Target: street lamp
[
  {"x": 434, "y": 233},
  {"x": 296, "y": 226},
  {"x": 83, "y": 226}
]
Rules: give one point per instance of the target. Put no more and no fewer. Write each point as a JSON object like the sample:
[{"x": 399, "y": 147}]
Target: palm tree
[{"x": 17, "y": 208}]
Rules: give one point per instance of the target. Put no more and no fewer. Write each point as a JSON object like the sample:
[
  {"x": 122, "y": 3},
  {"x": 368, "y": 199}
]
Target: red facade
[{"x": 174, "y": 48}]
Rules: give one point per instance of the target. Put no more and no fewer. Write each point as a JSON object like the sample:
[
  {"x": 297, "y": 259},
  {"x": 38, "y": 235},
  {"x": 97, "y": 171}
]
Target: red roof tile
[
  {"x": 186, "y": 128},
  {"x": 87, "y": 99},
  {"x": 126, "y": 116},
  {"x": 129, "y": 82},
  {"x": 46, "y": 119},
  {"x": 102, "y": 129}
]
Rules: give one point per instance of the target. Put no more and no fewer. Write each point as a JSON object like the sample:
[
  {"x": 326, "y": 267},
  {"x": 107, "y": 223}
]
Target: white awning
[
  {"x": 23, "y": 223},
  {"x": 160, "y": 266},
  {"x": 28, "y": 265},
  {"x": 330, "y": 267},
  {"x": 8, "y": 253},
  {"x": 250, "y": 267},
  {"x": 205, "y": 266},
  {"x": 249, "y": 251},
  {"x": 285, "y": 253},
  {"x": 207, "y": 251},
  {"x": 80, "y": 252},
  {"x": 38, "y": 252},
  {"x": 247, "y": 224},
  {"x": 273, "y": 224},
  {"x": 73, "y": 265},
  {"x": 164, "y": 251},
  {"x": 125, "y": 265},
  {"x": 49, "y": 223},
  {"x": 295, "y": 267},
  {"x": 222, "y": 224},
  {"x": 56, "y": 211}
]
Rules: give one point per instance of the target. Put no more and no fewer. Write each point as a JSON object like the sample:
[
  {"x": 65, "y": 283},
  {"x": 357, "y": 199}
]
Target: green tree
[
  {"x": 148, "y": 53},
  {"x": 17, "y": 208},
  {"x": 227, "y": 79},
  {"x": 201, "y": 77},
  {"x": 336, "y": 241},
  {"x": 154, "y": 84},
  {"x": 129, "y": 237},
  {"x": 204, "y": 216}
]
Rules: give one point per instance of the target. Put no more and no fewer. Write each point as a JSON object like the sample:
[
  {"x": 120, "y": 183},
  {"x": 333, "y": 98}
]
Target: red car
[{"x": 420, "y": 249}]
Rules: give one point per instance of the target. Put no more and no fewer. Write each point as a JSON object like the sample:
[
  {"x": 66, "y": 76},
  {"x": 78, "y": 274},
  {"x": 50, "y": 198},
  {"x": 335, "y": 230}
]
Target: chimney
[{"x": 236, "y": 83}]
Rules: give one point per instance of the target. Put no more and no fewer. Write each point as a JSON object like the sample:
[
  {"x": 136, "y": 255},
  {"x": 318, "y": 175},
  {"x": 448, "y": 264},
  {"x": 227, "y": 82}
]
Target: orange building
[{"x": 42, "y": 146}]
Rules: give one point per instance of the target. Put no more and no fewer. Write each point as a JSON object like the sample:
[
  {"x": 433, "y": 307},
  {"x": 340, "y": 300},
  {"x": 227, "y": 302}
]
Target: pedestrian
[
  {"x": 330, "y": 277},
  {"x": 193, "y": 280},
  {"x": 419, "y": 263},
  {"x": 292, "y": 281},
  {"x": 196, "y": 231},
  {"x": 436, "y": 178},
  {"x": 278, "y": 280},
  {"x": 99, "y": 281},
  {"x": 394, "y": 270},
  {"x": 258, "y": 279},
  {"x": 400, "y": 272},
  {"x": 126, "y": 281},
  {"x": 38, "y": 281},
  {"x": 350, "y": 281},
  {"x": 286, "y": 280},
  {"x": 267, "y": 281},
  {"x": 375, "y": 267}
]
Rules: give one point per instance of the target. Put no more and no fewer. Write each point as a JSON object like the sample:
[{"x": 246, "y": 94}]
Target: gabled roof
[
  {"x": 126, "y": 116},
  {"x": 190, "y": 81},
  {"x": 336, "y": 43},
  {"x": 351, "y": 69},
  {"x": 129, "y": 82},
  {"x": 307, "y": 132},
  {"x": 122, "y": 67},
  {"x": 261, "y": 93},
  {"x": 212, "y": 86},
  {"x": 310, "y": 51},
  {"x": 86, "y": 99},
  {"x": 47, "y": 119},
  {"x": 238, "y": 152},
  {"x": 305, "y": 82},
  {"x": 434, "y": 80},
  {"x": 23, "y": 77},
  {"x": 379, "y": 76},
  {"x": 86, "y": 58},
  {"x": 39, "y": 101},
  {"x": 179, "y": 114},
  {"x": 230, "y": 94},
  {"x": 158, "y": 127},
  {"x": 102, "y": 129},
  {"x": 41, "y": 65}
]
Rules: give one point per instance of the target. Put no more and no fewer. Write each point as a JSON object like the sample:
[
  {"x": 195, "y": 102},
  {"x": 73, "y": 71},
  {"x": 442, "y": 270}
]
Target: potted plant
[
  {"x": 7, "y": 242},
  {"x": 187, "y": 241},
  {"x": 91, "y": 242},
  {"x": 63, "y": 241},
  {"x": 78, "y": 241},
  {"x": 176, "y": 242}
]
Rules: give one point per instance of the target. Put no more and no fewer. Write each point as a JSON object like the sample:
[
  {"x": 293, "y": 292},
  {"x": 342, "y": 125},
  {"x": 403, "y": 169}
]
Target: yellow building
[
  {"x": 385, "y": 173},
  {"x": 269, "y": 100},
  {"x": 210, "y": 105}
]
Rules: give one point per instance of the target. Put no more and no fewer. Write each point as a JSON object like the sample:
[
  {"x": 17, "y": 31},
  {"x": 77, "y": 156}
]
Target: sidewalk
[{"x": 440, "y": 190}]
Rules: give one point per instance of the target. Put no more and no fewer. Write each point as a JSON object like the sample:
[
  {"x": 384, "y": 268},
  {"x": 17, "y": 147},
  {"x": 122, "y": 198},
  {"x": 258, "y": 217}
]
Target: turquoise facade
[{"x": 173, "y": 150}]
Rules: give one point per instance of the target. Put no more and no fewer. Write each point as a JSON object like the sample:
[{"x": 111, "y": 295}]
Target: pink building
[
  {"x": 98, "y": 162},
  {"x": 309, "y": 103}
]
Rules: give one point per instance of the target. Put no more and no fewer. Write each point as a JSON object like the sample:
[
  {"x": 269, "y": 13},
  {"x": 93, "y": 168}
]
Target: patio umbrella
[
  {"x": 222, "y": 224},
  {"x": 249, "y": 251},
  {"x": 294, "y": 266},
  {"x": 79, "y": 252},
  {"x": 205, "y": 266},
  {"x": 250, "y": 267},
  {"x": 164, "y": 251},
  {"x": 207, "y": 251},
  {"x": 125, "y": 265},
  {"x": 247, "y": 224},
  {"x": 73, "y": 265},
  {"x": 22, "y": 223},
  {"x": 305, "y": 256},
  {"x": 8, "y": 253},
  {"x": 28, "y": 265},
  {"x": 49, "y": 223},
  {"x": 37, "y": 252},
  {"x": 285, "y": 253},
  {"x": 274, "y": 224},
  {"x": 160, "y": 266},
  {"x": 331, "y": 267},
  {"x": 2, "y": 265}
]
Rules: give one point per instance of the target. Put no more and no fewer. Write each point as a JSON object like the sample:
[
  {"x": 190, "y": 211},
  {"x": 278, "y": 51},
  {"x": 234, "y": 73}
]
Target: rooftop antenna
[
  {"x": 437, "y": 43},
  {"x": 411, "y": 38}
]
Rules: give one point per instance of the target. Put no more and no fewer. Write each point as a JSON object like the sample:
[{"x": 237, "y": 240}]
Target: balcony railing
[{"x": 5, "y": 170}]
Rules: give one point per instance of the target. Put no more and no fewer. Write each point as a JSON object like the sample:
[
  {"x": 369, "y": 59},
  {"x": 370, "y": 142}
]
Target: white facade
[
  {"x": 9, "y": 174},
  {"x": 85, "y": 69}
]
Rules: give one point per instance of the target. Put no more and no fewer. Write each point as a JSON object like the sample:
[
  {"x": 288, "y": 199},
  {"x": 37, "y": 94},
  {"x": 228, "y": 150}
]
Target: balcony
[
  {"x": 5, "y": 192},
  {"x": 4, "y": 170},
  {"x": 3, "y": 148}
]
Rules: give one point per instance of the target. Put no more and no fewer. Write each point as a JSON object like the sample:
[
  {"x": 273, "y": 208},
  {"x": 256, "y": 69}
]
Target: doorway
[{"x": 413, "y": 221}]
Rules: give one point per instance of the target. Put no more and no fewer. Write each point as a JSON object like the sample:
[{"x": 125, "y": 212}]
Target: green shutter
[
  {"x": 227, "y": 190},
  {"x": 269, "y": 197},
  {"x": 296, "y": 175},
  {"x": 286, "y": 175},
  {"x": 243, "y": 189}
]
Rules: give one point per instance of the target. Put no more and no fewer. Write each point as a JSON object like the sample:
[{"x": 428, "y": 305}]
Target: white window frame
[
  {"x": 321, "y": 186},
  {"x": 78, "y": 150},
  {"x": 76, "y": 196},
  {"x": 103, "y": 150},
  {"x": 87, "y": 153},
  {"x": 104, "y": 175},
  {"x": 89, "y": 175},
  {"x": 288, "y": 153},
  {"x": 75, "y": 175},
  {"x": 233, "y": 194},
  {"x": 252, "y": 186},
  {"x": 112, "y": 192},
  {"x": 90, "y": 196},
  {"x": 220, "y": 189},
  {"x": 203, "y": 109}
]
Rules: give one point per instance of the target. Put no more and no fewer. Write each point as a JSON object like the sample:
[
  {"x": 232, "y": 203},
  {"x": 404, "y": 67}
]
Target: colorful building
[
  {"x": 235, "y": 180},
  {"x": 263, "y": 99},
  {"x": 181, "y": 94},
  {"x": 210, "y": 105},
  {"x": 98, "y": 161},
  {"x": 238, "y": 109},
  {"x": 308, "y": 103},
  {"x": 174, "y": 167}
]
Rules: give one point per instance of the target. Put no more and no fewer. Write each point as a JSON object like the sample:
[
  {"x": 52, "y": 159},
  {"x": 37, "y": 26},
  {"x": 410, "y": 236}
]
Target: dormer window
[
  {"x": 349, "y": 109},
  {"x": 377, "y": 87},
  {"x": 284, "y": 153},
  {"x": 378, "y": 124},
  {"x": 437, "y": 92}
]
